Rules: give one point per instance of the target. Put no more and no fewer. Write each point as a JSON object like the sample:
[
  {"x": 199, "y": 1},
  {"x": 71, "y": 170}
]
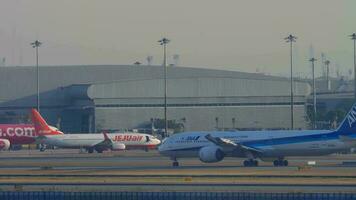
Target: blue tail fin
[{"x": 348, "y": 125}]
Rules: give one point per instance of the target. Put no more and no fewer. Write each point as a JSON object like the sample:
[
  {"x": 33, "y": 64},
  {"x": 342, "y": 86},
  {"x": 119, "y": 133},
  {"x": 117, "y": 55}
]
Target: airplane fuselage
[
  {"x": 271, "y": 143},
  {"x": 130, "y": 140},
  {"x": 18, "y": 133}
]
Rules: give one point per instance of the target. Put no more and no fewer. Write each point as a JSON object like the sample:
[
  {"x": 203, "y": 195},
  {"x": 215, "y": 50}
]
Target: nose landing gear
[{"x": 175, "y": 162}]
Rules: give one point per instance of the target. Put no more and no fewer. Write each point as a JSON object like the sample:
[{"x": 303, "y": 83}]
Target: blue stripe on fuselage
[
  {"x": 292, "y": 140},
  {"x": 284, "y": 140}
]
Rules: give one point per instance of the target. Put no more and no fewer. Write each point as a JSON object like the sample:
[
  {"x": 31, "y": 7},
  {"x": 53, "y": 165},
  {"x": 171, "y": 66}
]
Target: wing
[
  {"x": 228, "y": 145},
  {"x": 105, "y": 144}
]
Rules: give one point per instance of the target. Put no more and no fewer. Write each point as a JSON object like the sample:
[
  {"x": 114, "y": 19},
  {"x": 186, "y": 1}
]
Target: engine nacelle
[
  {"x": 118, "y": 147},
  {"x": 4, "y": 144},
  {"x": 211, "y": 154}
]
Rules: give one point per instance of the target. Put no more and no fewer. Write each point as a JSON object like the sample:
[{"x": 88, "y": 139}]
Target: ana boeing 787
[{"x": 264, "y": 145}]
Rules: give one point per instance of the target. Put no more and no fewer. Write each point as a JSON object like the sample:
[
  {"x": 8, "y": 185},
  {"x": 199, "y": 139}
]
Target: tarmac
[{"x": 69, "y": 170}]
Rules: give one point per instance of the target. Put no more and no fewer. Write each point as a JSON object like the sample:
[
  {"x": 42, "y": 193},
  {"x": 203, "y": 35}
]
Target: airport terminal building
[{"x": 90, "y": 98}]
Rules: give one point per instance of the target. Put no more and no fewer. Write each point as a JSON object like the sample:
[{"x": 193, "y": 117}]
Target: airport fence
[{"x": 173, "y": 196}]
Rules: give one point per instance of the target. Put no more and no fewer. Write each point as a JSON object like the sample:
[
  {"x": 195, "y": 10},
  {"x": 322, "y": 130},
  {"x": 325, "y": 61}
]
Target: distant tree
[{"x": 332, "y": 118}]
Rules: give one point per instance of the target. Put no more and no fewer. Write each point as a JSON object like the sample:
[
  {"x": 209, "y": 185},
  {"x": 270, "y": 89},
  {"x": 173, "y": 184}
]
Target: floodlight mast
[
  {"x": 353, "y": 37},
  {"x": 164, "y": 42},
  {"x": 327, "y": 63},
  {"x": 290, "y": 39},
  {"x": 35, "y": 45},
  {"x": 312, "y": 60}
]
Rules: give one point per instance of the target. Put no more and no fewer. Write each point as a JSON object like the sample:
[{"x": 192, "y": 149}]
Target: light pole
[
  {"x": 233, "y": 123},
  {"x": 353, "y": 37},
  {"x": 164, "y": 42},
  {"x": 327, "y": 63},
  {"x": 312, "y": 60},
  {"x": 291, "y": 39},
  {"x": 35, "y": 45}
]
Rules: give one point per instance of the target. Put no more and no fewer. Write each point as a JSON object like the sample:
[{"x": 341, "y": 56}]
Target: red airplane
[{"x": 12, "y": 134}]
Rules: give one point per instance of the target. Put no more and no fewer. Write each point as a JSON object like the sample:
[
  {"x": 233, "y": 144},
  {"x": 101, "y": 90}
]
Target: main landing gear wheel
[
  {"x": 91, "y": 150},
  {"x": 251, "y": 163},
  {"x": 280, "y": 163},
  {"x": 43, "y": 147}
]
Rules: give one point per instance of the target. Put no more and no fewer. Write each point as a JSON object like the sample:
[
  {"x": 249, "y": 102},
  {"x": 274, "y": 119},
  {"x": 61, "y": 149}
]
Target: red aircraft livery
[
  {"x": 18, "y": 133},
  {"x": 127, "y": 138},
  {"x": 22, "y": 134}
]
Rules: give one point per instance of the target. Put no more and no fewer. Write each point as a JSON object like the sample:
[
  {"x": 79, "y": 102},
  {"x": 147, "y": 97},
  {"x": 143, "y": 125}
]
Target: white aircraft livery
[
  {"x": 264, "y": 145},
  {"x": 99, "y": 142}
]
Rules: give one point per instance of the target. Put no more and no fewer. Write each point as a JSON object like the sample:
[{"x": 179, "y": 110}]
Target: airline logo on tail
[
  {"x": 41, "y": 126},
  {"x": 348, "y": 125}
]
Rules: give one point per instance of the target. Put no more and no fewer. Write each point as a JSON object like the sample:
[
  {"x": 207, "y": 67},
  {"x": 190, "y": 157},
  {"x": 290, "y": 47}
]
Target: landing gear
[
  {"x": 82, "y": 150},
  {"x": 91, "y": 150},
  {"x": 175, "y": 162},
  {"x": 43, "y": 147},
  {"x": 280, "y": 163},
  {"x": 251, "y": 163}
]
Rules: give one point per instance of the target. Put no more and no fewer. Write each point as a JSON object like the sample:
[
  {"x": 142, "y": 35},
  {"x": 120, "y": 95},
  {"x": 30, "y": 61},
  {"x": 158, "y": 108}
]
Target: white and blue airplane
[{"x": 214, "y": 146}]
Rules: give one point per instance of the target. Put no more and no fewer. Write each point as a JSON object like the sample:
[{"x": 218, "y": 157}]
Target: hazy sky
[{"x": 244, "y": 35}]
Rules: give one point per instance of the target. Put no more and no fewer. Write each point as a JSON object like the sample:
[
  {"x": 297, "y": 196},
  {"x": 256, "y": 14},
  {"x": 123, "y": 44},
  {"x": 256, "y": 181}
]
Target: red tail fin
[{"x": 41, "y": 126}]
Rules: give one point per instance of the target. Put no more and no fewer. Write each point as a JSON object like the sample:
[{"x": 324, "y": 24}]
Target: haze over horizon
[{"x": 243, "y": 35}]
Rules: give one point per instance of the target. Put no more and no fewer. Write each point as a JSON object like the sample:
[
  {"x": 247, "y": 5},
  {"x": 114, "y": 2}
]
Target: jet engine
[
  {"x": 4, "y": 144},
  {"x": 211, "y": 154},
  {"x": 118, "y": 147}
]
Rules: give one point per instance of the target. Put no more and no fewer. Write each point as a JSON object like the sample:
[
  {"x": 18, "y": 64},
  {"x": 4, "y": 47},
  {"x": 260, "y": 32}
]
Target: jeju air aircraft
[
  {"x": 214, "y": 146},
  {"x": 98, "y": 142},
  {"x": 17, "y": 134}
]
